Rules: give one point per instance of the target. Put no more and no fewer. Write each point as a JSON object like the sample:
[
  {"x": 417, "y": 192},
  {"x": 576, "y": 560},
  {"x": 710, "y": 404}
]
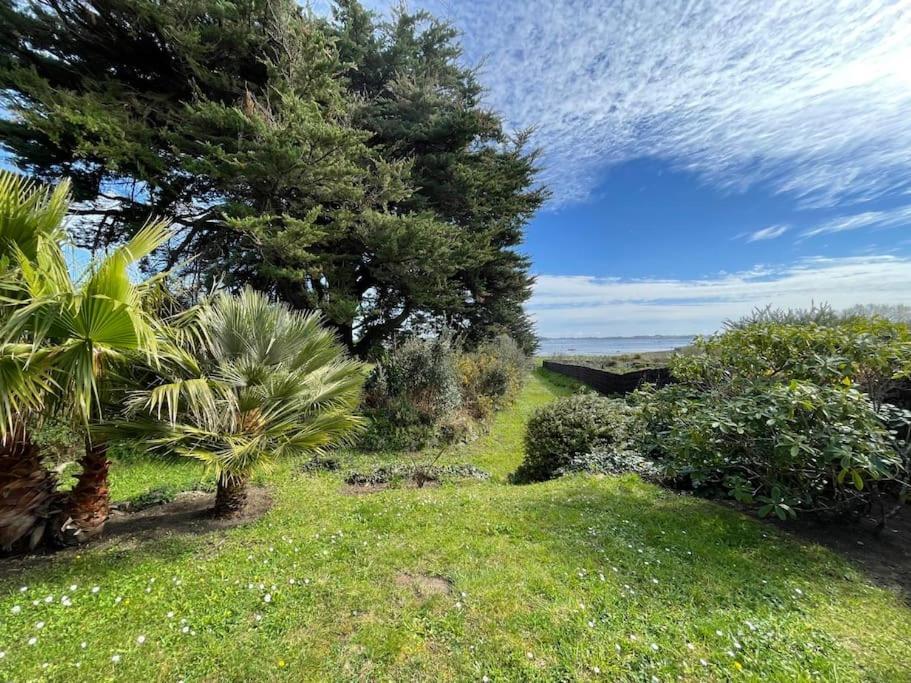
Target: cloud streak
[
  {"x": 581, "y": 305},
  {"x": 892, "y": 218},
  {"x": 811, "y": 97},
  {"x": 769, "y": 233}
]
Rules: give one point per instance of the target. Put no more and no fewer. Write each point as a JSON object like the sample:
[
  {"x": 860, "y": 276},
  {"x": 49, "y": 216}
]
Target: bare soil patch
[
  {"x": 189, "y": 514},
  {"x": 424, "y": 585}
]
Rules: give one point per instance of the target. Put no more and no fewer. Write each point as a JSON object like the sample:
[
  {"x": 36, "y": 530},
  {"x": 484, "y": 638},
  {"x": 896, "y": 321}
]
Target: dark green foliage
[
  {"x": 345, "y": 166},
  {"x": 785, "y": 447},
  {"x": 569, "y": 428},
  {"x": 423, "y": 106},
  {"x": 787, "y": 411}
]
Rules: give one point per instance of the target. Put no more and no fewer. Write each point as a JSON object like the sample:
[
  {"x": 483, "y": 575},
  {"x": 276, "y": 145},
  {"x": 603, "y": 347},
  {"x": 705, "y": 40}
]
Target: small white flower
[
  {"x": 83, "y": 645},
  {"x": 117, "y": 600},
  {"x": 22, "y": 589},
  {"x": 719, "y": 633},
  {"x": 95, "y": 589},
  {"x": 530, "y": 655},
  {"x": 115, "y": 659},
  {"x": 49, "y": 599},
  {"x": 258, "y": 617},
  {"x": 32, "y": 640},
  {"x": 798, "y": 591},
  {"x": 2, "y": 654},
  {"x": 16, "y": 609},
  {"x": 703, "y": 662},
  {"x": 170, "y": 615},
  {"x": 140, "y": 640},
  {"x": 39, "y": 625},
  {"x": 185, "y": 629},
  {"x": 485, "y": 679},
  {"x": 654, "y": 647},
  {"x": 73, "y": 587},
  {"x": 591, "y": 624},
  {"x": 596, "y": 669},
  {"x": 655, "y": 581},
  {"x": 689, "y": 646},
  {"x": 291, "y": 581},
  {"x": 267, "y": 597}
]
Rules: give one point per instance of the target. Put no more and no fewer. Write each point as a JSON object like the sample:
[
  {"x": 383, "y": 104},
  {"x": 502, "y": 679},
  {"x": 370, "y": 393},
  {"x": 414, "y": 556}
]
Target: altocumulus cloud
[
  {"x": 811, "y": 96},
  {"x": 566, "y": 305}
]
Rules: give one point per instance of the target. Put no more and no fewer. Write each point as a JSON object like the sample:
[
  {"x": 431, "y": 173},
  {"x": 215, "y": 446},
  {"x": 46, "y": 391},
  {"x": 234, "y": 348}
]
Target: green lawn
[{"x": 583, "y": 578}]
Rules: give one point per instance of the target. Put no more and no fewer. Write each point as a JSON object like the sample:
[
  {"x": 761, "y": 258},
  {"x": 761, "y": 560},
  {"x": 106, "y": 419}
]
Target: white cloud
[
  {"x": 768, "y": 233},
  {"x": 869, "y": 219},
  {"x": 813, "y": 96},
  {"x": 581, "y": 305}
]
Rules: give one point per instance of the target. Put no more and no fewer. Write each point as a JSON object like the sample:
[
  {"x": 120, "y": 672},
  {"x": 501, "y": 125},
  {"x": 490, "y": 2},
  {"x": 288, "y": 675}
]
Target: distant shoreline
[{"x": 611, "y": 346}]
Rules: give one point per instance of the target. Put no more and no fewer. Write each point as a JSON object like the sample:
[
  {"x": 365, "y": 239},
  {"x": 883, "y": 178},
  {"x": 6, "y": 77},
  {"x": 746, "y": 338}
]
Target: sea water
[{"x": 608, "y": 346}]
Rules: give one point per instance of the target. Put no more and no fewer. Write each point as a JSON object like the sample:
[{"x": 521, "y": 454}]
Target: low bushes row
[
  {"x": 785, "y": 414},
  {"x": 428, "y": 391}
]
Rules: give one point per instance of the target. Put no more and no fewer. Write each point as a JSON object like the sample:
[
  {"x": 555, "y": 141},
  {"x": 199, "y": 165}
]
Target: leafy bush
[
  {"x": 569, "y": 428},
  {"x": 490, "y": 375},
  {"x": 421, "y": 373},
  {"x": 869, "y": 353},
  {"x": 425, "y": 392},
  {"x": 789, "y": 447},
  {"x": 411, "y": 392}
]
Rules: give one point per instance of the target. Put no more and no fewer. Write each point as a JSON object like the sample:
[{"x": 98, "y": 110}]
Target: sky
[{"x": 705, "y": 157}]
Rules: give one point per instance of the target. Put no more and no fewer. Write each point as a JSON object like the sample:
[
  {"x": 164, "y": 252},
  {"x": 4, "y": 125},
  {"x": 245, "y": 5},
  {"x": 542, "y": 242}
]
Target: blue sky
[{"x": 706, "y": 157}]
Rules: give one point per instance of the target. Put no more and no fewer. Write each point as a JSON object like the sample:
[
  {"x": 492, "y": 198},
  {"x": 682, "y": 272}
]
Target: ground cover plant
[{"x": 582, "y": 578}]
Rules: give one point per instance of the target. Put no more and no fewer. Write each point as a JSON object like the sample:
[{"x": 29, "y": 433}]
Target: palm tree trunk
[
  {"x": 230, "y": 497},
  {"x": 88, "y": 506},
  {"x": 27, "y": 492}
]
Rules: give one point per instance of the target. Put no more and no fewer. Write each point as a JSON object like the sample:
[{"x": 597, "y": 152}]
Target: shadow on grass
[
  {"x": 180, "y": 525},
  {"x": 711, "y": 556}
]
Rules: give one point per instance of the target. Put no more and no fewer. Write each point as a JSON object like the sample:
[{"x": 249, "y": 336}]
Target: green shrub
[
  {"x": 421, "y": 372},
  {"x": 412, "y": 391},
  {"x": 869, "y": 353},
  {"x": 787, "y": 447},
  {"x": 490, "y": 375},
  {"x": 569, "y": 428}
]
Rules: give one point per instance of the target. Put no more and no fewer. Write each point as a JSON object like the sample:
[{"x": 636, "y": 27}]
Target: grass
[{"x": 583, "y": 578}]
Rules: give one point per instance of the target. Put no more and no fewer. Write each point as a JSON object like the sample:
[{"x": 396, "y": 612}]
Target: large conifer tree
[{"x": 283, "y": 150}]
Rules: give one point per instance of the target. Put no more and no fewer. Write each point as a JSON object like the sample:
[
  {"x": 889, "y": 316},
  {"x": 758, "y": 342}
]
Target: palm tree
[
  {"x": 65, "y": 341},
  {"x": 30, "y": 220},
  {"x": 275, "y": 383}
]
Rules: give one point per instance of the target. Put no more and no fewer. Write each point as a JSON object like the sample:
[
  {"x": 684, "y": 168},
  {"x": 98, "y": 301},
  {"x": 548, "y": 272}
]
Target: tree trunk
[
  {"x": 230, "y": 497},
  {"x": 27, "y": 493},
  {"x": 88, "y": 505}
]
